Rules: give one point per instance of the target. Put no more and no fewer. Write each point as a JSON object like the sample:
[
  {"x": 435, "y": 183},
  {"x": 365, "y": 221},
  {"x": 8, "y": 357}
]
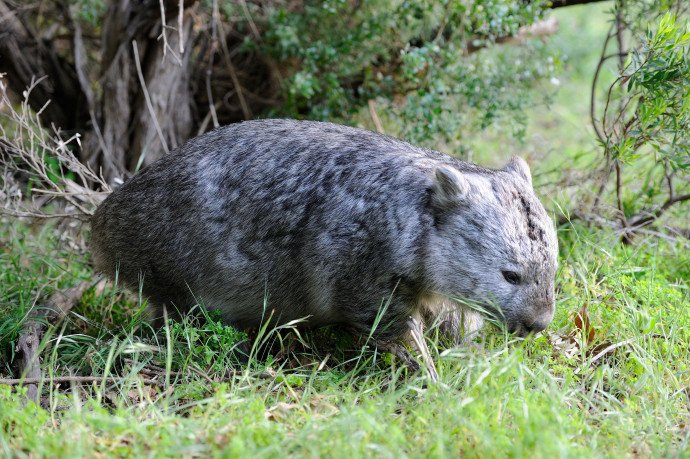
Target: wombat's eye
[{"x": 511, "y": 277}]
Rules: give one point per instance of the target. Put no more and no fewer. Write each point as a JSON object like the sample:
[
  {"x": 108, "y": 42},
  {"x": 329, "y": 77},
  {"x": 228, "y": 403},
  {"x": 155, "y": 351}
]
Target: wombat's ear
[
  {"x": 519, "y": 166},
  {"x": 450, "y": 187}
]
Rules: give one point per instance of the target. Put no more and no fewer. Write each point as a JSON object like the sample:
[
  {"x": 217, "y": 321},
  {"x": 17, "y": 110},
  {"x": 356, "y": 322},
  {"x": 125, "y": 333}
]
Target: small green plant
[{"x": 206, "y": 343}]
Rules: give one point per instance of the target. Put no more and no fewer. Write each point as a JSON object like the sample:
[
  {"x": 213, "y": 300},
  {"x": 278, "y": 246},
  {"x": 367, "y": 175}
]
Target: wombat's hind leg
[{"x": 156, "y": 314}]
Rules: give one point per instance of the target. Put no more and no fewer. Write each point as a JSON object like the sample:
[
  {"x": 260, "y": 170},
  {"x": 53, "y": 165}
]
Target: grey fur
[{"x": 330, "y": 222}]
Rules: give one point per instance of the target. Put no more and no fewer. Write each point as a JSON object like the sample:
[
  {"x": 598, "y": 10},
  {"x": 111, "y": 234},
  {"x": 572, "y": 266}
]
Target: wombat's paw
[{"x": 399, "y": 351}]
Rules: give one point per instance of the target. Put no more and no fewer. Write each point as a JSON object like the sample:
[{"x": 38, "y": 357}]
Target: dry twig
[
  {"x": 147, "y": 96},
  {"x": 375, "y": 117},
  {"x": 55, "y": 309},
  {"x": 30, "y": 152},
  {"x": 74, "y": 379}
]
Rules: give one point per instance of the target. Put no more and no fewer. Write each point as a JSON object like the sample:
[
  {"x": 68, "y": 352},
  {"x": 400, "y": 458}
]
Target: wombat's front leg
[{"x": 459, "y": 323}]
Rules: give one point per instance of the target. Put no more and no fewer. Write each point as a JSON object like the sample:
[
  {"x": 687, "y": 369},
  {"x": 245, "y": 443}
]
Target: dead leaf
[
  {"x": 583, "y": 324},
  {"x": 280, "y": 410}
]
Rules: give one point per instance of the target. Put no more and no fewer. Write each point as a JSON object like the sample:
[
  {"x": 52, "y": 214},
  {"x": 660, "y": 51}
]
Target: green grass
[{"x": 330, "y": 395}]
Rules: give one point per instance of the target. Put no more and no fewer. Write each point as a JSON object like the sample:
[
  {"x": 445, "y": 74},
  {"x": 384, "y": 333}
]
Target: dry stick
[
  {"x": 207, "y": 118},
  {"x": 418, "y": 338},
  {"x": 209, "y": 93},
  {"x": 57, "y": 306},
  {"x": 180, "y": 21},
  {"x": 150, "y": 368},
  {"x": 80, "y": 63},
  {"x": 166, "y": 45},
  {"x": 375, "y": 117},
  {"x": 165, "y": 38},
  {"x": 147, "y": 96},
  {"x": 620, "y": 344},
  {"x": 101, "y": 142},
  {"x": 623, "y": 343},
  {"x": 77, "y": 379},
  {"x": 159, "y": 371},
  {"x": 32, "y": 214},
  {"x": 246, "y": 112},
  {"x": 252, "y": 25},
  {"x": 200, "y": 373}
]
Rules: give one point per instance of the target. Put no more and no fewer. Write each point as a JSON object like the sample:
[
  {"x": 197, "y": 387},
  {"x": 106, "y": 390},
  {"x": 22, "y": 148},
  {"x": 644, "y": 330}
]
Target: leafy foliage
[
  {"x": 645, "y": 124},
  {"x": 658, "y": 77},
  {"x": 339, "y": 55}
]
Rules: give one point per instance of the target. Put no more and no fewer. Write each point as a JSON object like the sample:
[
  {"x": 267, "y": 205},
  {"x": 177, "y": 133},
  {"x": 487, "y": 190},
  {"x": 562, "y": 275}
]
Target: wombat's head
[{"x": 493, "y": 243}]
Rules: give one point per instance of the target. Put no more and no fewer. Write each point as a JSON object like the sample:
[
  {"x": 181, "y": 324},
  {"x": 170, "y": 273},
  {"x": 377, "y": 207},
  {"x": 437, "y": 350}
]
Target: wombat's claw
[
  {"x": 418, "y": 337},
  {"x": 400, "y": 352}
]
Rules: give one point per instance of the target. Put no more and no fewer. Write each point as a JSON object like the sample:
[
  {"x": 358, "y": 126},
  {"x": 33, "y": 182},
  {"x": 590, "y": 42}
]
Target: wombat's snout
[
  {"x": 532, "y": 326},
  {"x": 538, "y": 325}
]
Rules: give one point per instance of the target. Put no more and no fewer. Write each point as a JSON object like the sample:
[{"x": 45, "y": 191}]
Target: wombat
[{"x": 333, "y": 224}]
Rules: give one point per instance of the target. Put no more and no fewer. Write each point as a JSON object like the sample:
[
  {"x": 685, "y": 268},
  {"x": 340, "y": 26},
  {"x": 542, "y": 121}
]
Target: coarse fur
[{"x": 329, "y": 223}]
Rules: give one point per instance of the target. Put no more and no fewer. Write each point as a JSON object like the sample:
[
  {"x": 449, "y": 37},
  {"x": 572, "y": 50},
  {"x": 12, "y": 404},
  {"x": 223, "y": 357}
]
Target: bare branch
[
  {"x": 28, "y": 151},
  {"x": 57, "y": 306},
  {"x": 165, "y": 38},
  {"x": 76, "y": 379},
  {"x": 148, "y": 97},
  {"x": 563, "y": 3},
  {"x": 620, "y": 27},
  {"x": 246, "y": 111},
  {"x": 595, "y": 80},
  {"x": 375, "y": 117},
  {"x": 252, "y": 25},
  {"x": 648, "y": 217},
  {"x": 180, "y": 26}
]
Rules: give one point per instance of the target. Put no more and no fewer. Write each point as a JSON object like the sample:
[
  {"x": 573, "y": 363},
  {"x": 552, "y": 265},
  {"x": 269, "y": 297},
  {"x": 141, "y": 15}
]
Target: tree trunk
[
  {"x": 26, "y": 57},
  {"x": 138, "y": 121}
]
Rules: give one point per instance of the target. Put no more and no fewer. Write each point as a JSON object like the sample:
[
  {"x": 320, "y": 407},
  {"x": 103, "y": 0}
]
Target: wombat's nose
[{"x": 537, "y": 326}]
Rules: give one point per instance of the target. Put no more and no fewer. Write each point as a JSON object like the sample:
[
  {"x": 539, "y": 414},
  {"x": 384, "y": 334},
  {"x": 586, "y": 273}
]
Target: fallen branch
[
  {"x": 615, "y": 346},
  {"x": 55, "y": 309},
  {"x": 74, "y": 379},
  {"x": 150, "y": 368},
  {"x": 539, "y": 28},
  {"x": 647, "y": 218}
]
